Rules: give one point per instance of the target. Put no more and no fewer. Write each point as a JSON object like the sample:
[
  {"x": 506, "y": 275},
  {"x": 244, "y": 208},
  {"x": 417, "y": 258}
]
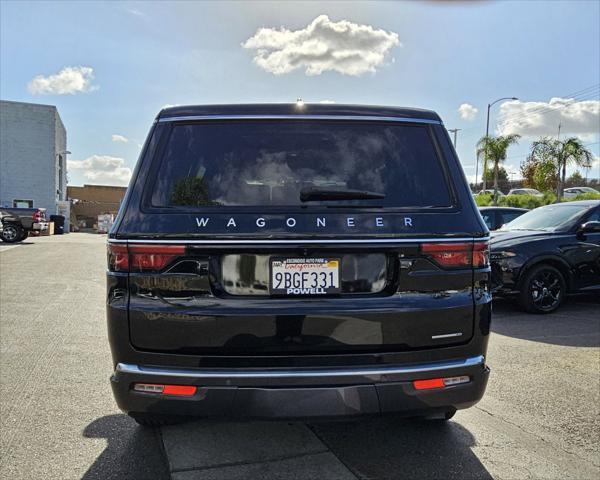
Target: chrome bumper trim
[{"x": 305, "y": 373}]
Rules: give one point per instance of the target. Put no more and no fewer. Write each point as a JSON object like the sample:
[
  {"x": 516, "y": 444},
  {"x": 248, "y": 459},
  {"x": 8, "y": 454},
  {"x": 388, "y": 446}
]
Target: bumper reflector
[
  {"x": 179, "y": 390},
  {"x": 434, "y": 383}
]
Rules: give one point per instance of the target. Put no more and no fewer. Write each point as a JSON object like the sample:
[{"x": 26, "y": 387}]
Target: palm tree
[
  {"x": 563, "y": 152},
  {"x": 494, "y": 149}
]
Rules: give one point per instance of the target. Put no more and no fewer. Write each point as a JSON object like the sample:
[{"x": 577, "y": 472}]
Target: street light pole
[
  {"x": 487, "y": 133},
  {"x": 454, "y": 131}
]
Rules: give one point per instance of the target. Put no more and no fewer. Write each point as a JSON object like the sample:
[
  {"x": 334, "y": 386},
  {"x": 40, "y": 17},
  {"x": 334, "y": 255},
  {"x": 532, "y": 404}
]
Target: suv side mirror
[{"x": 590, "y": 227}]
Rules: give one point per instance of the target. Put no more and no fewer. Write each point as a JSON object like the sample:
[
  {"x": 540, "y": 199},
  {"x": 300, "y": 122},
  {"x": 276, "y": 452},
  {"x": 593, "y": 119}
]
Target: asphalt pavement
[{"x": 540, "y": 417}]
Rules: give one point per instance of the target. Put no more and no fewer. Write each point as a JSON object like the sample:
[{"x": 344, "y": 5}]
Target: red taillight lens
[
  {"x": 434, "y": 383},
  {"x": 178, "y": 390},
  {"x": 481, "y": 254},
  {"x": 428, "y": 384},
  {"x": 458, "y": 255},
  {"x": 153, "y": 257},
  {"x": 37, "y": 216},
  {"x": 142, "y": 257},
  {"x": 118, "y": 257}
]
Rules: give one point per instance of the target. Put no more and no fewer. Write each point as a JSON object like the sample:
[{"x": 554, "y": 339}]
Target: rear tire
[
  {"x": 543, "y": 289},
  {"x": 154, "y": 420},
  {"x": 12, "y": 233}
]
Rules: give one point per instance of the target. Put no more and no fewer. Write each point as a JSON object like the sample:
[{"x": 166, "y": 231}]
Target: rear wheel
[
  {"x": 12, "y": 233},
  {"x": 155, "y": 419},
  {"x": 543, "y": 289}
]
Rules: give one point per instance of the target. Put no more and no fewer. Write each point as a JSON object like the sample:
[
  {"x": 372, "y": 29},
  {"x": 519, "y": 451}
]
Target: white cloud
[
  {"x": 102, "y": 169},
  {"x": 69, "y": 80},
  {"x": 136, "y": 12},
  {"x": 467, "y": 112},
  {"x": 534, "y": 119},
  {"x": 119, "y": 138},
  {"x": 344, "y": 47}
]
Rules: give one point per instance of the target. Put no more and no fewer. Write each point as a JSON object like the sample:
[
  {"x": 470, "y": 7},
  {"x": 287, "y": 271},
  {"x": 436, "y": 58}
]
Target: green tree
[
  {"x": 539, "y": 172},
  {"x": 563, "y": 153},
  {"x": 503, "y": 180},
  {"x": 575, "y": 180},
  {"x": 494, "y": 149}
]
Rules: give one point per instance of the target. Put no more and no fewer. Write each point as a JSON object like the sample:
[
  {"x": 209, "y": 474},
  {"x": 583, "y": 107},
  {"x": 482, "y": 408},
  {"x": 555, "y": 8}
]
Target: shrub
[
  {"x": 483, "y": 200},
  {"x": 529, "y": 201},
  {"x": 584, "y": 196},
  {"x": 524, "y": 201}
]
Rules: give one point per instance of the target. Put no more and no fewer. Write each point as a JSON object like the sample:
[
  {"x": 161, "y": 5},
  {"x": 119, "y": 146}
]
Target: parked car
[
  {"x": 526, "y": 191},
  {"x": 265, "y": 263},
  {"x": 495, "y": 217},
  {"x": 547, "y": 253},
  {"x": 574, "y": 191},
  {"x": 17, "y": 223},
  {"x": 490, "y": 191}
]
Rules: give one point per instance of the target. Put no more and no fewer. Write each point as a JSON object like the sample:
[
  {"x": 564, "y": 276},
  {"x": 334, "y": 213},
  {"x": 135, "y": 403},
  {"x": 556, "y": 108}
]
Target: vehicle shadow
[
  {"x": 396, "y": 448},
  {"x": 132, "y": 452},
  {"x": 575, "y": 324}
]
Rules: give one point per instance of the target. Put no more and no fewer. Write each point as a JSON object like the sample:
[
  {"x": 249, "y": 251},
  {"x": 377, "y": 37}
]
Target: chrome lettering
[
  {"x": 202, "y": 222},
  {"x": 231, "y": 222}
]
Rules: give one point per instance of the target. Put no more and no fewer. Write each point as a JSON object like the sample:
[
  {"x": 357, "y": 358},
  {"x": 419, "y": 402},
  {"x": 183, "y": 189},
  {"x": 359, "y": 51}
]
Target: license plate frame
[{"x": 328, "y": 279}]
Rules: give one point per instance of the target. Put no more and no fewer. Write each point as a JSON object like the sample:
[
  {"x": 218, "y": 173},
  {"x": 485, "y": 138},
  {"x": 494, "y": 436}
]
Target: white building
[{"x": 33, "y": 163}]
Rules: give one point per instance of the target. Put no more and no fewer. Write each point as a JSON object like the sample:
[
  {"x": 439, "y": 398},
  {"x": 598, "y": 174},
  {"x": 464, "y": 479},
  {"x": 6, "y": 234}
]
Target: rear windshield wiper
[{"x": 314, "y": 193}]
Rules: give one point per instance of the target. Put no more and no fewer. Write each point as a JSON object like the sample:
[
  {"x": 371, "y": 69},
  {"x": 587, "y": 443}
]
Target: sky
[{"x": 109, "y": 67}]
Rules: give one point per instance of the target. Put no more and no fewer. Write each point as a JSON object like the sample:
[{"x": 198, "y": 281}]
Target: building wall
[
  {"x": 31, "y": 135},
  {"x": 90, "y": 201}
]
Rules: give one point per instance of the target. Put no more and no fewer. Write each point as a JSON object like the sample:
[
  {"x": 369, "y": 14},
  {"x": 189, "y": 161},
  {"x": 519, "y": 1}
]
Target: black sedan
[
  {"x": 546, "y": 253},
  {"x": 495, "y": 217}
]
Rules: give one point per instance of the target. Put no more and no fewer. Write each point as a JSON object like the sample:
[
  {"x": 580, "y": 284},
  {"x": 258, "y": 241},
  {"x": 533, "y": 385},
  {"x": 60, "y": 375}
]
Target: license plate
[{"x": 305, "y": 276}]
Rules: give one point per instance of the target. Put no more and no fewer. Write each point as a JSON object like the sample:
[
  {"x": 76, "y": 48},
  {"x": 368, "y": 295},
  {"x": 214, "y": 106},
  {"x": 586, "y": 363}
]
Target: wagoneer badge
[{"x": 290, "y": 222}]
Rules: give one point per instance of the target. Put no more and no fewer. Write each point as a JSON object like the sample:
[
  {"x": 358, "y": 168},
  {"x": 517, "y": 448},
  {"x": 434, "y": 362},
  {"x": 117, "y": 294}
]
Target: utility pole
[{"x": 454, "y": 131}]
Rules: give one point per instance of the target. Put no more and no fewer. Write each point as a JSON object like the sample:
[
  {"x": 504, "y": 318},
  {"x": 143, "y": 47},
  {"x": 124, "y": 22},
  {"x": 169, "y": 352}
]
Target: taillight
[
  {"x": 177, "y": 390},
  {"x": 435, "y": 383},
  {"x": 37, "y": 216},
  {"x": 118, "y": 257},
  {"x": 481, "y": 254},
  {"x": 458, "y": 255},
  {"x": 142, "y": 257}
]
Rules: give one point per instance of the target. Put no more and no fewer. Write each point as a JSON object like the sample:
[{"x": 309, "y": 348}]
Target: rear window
[{"x": 271, "y": 163}]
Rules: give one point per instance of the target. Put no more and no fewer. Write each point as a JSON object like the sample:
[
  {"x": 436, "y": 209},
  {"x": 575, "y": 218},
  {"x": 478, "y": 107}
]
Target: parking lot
[{"x": 540, "y": 417}]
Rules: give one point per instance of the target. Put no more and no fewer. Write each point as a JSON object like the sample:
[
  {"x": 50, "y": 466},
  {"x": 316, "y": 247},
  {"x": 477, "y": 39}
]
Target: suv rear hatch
[{"x": 298, "y": 236}]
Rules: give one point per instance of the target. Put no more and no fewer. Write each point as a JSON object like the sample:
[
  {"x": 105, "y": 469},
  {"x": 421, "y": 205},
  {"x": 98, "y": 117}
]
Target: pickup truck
[{"x": 18, "y": 222}]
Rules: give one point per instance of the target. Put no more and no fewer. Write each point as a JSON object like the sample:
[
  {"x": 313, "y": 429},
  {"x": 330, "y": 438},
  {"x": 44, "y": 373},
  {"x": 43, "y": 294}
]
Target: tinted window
[
  {"x": 509, "y": 217},
  {"x": 488, "y": 218},
  {"x": 269, "y": 163},
  {"x": 594, "y": 217}
]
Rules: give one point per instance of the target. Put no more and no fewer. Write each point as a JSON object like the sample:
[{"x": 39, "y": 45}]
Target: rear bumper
[{"x": 302, "y": 393}]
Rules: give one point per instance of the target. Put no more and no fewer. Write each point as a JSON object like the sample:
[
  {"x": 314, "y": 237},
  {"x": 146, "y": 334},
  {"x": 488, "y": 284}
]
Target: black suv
[{"x": 297, "y": 261}]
